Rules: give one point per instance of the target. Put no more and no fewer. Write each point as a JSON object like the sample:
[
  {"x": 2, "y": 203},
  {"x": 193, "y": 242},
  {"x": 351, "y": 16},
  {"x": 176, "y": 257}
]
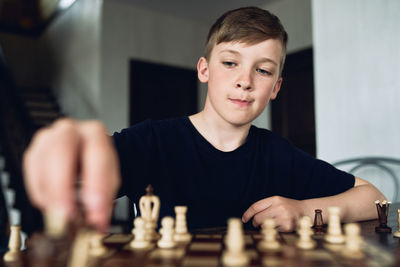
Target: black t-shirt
[{"x": 185, "y": 169}]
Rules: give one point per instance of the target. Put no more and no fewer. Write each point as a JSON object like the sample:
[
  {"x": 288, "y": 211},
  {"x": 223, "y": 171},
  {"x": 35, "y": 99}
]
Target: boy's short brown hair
[{"x": 249, "y": 25}]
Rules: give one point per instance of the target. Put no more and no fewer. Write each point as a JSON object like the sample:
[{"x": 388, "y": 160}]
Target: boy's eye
[
  {"x": 264, "y": 72},
  {"x": 229, "y": 63}
]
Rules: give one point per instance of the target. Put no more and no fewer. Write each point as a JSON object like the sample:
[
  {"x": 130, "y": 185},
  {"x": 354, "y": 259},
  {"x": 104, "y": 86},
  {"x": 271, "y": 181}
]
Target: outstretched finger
[
  {"x": 256, "y": 208},
  {"x": 100, "y": 174},
  {"x": 50, "y": 167}
]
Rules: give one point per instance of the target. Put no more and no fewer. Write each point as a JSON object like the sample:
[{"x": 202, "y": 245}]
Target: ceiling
[
  {"x": 33, "y": 16},
  {"x": 30, "y": 17},
  {"x": 203, "y": 11}
]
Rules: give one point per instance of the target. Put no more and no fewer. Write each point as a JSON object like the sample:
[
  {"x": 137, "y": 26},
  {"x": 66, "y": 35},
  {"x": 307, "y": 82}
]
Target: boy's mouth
[{"x": 240, "y": 102}]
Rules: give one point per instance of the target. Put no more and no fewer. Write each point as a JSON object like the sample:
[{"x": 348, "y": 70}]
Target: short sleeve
[{"x": 315, "y": 178}]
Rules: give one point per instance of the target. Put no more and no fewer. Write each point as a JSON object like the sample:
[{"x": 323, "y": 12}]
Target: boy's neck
[{"x": 220, "y": 134}]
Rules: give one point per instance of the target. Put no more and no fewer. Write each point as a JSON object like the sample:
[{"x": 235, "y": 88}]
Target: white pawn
[
  {"x": 181, "y": 231},
  {"x": 14, "y": 244},
  {"x": 305, "y": 241},
  {"x": 269, "y": 232},
  {"x": 353, "y": 241},
  {"x": 139, "y": 233},
  {"x": 97, "y": 249},
  {"x": 334, "y": 234},
  {"x": 167, "y": 233},
  {"x": 235, "y": 254}
]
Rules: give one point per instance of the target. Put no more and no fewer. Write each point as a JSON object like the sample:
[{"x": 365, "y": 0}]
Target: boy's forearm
[{"x": 356, "y": 204}]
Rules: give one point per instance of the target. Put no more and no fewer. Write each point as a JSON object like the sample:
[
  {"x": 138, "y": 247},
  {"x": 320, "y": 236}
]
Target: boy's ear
[
  {"x": 276, "y": 88},
  {"x": 202, "y": 70}
]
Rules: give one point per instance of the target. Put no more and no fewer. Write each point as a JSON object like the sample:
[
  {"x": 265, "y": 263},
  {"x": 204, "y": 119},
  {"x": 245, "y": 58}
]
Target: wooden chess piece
[
  {"x": 353, "y": 242},
  {"x": 334, "y": 234},
  {"x": 80, "y": 249},
  {"x": 397, "y": 233},
  {"x": 383, "y": 211},
  {"x": 149, "y": 206},
  {"x": 235, "y": 254},
  {"x": 181, "y": 231},
  {"x": 167, "y": 233},
  {"x": 139, "y": 235},
  {"x": 55, "y": 223},
  {"x": 318, "y": 223},
  {"x": 97, "y": 249},
  {"x": 305, "y": 241},
  {"x": 269, "y": 242},
  {"x": 14, "y": 245}
]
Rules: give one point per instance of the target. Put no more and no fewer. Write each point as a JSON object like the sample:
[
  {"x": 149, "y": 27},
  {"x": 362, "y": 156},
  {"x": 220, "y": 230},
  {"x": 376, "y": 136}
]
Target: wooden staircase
[
  {"x": 41, "y": 106},
  {"x": 22, "y": 112},
  {"x": 23, "y": 115}
]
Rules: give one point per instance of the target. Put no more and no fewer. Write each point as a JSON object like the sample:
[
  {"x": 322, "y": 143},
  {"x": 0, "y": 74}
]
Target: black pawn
[{"x": 318, "y": 222}]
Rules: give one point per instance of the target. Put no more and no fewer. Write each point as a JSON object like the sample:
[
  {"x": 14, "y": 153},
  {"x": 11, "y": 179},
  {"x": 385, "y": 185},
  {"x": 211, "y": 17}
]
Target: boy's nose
[
  {"x": 244, "y": 81},
  {"x": 243, "y": 85}
]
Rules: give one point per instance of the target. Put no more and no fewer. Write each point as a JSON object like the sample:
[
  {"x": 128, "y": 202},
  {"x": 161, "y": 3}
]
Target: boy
[{"x": 214, "y": 161}]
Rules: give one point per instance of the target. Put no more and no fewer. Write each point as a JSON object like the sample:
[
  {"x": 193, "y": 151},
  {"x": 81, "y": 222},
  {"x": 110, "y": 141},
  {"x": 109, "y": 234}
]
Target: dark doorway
[
  {"x": 160, "y": 91},
  {"x": 293, "y": 110}
]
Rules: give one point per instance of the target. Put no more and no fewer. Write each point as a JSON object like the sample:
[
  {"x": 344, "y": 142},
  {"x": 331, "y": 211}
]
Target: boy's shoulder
[
  {"x": 162, "y": 126},
  {"x": 268, "y": 137}
]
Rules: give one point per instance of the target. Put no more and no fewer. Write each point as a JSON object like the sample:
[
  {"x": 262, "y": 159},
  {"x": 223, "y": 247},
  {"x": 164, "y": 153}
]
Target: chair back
[{"x": 384, "y": 173}]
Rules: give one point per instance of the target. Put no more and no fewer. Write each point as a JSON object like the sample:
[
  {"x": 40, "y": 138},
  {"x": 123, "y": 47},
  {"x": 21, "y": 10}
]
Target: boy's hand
[
  {"x": 285, "y": 211},
  {"x": 61, "y": 153}
]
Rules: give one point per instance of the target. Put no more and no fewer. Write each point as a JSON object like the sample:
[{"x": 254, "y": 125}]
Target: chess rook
[{"x": 181, "y": 231}]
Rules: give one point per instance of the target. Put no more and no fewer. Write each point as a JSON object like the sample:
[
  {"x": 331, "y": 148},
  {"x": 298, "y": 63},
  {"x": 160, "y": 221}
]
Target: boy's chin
[{"x": 240, "y": 122}]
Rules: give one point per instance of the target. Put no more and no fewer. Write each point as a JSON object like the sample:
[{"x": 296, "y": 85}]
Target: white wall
[
  {"x": 70, "y": 50},
  {"x": 167, "y": 39},
  {"x": 132, "y": 32},
  {"x": 357, "y": 65},
  {"x": 295, "y": 16},
  {"x": 84, "y": 55}
]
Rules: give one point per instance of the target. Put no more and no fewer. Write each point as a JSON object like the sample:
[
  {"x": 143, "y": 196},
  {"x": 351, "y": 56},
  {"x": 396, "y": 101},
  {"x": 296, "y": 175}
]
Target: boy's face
[{"x": 241, "y": 79}]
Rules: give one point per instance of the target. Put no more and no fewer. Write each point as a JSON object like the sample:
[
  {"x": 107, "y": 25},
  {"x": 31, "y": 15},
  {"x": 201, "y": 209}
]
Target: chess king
[{"x": 149, "y": 206}]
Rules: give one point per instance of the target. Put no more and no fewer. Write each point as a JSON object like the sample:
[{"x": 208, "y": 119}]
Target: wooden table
[
  {"x": 386, "y": 240},
  {"x": 207, "y": 248}
]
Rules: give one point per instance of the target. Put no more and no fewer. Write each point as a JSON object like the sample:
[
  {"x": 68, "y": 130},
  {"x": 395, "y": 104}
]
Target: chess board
[{"x": 207, "y": 246}]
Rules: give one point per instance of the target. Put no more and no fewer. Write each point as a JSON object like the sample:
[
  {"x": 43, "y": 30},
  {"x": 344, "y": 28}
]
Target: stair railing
[{"x": 16, "y": 131}]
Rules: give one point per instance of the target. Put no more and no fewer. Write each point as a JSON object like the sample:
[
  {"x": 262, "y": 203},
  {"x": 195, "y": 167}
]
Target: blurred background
[{"x": 121, "y": 61}]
